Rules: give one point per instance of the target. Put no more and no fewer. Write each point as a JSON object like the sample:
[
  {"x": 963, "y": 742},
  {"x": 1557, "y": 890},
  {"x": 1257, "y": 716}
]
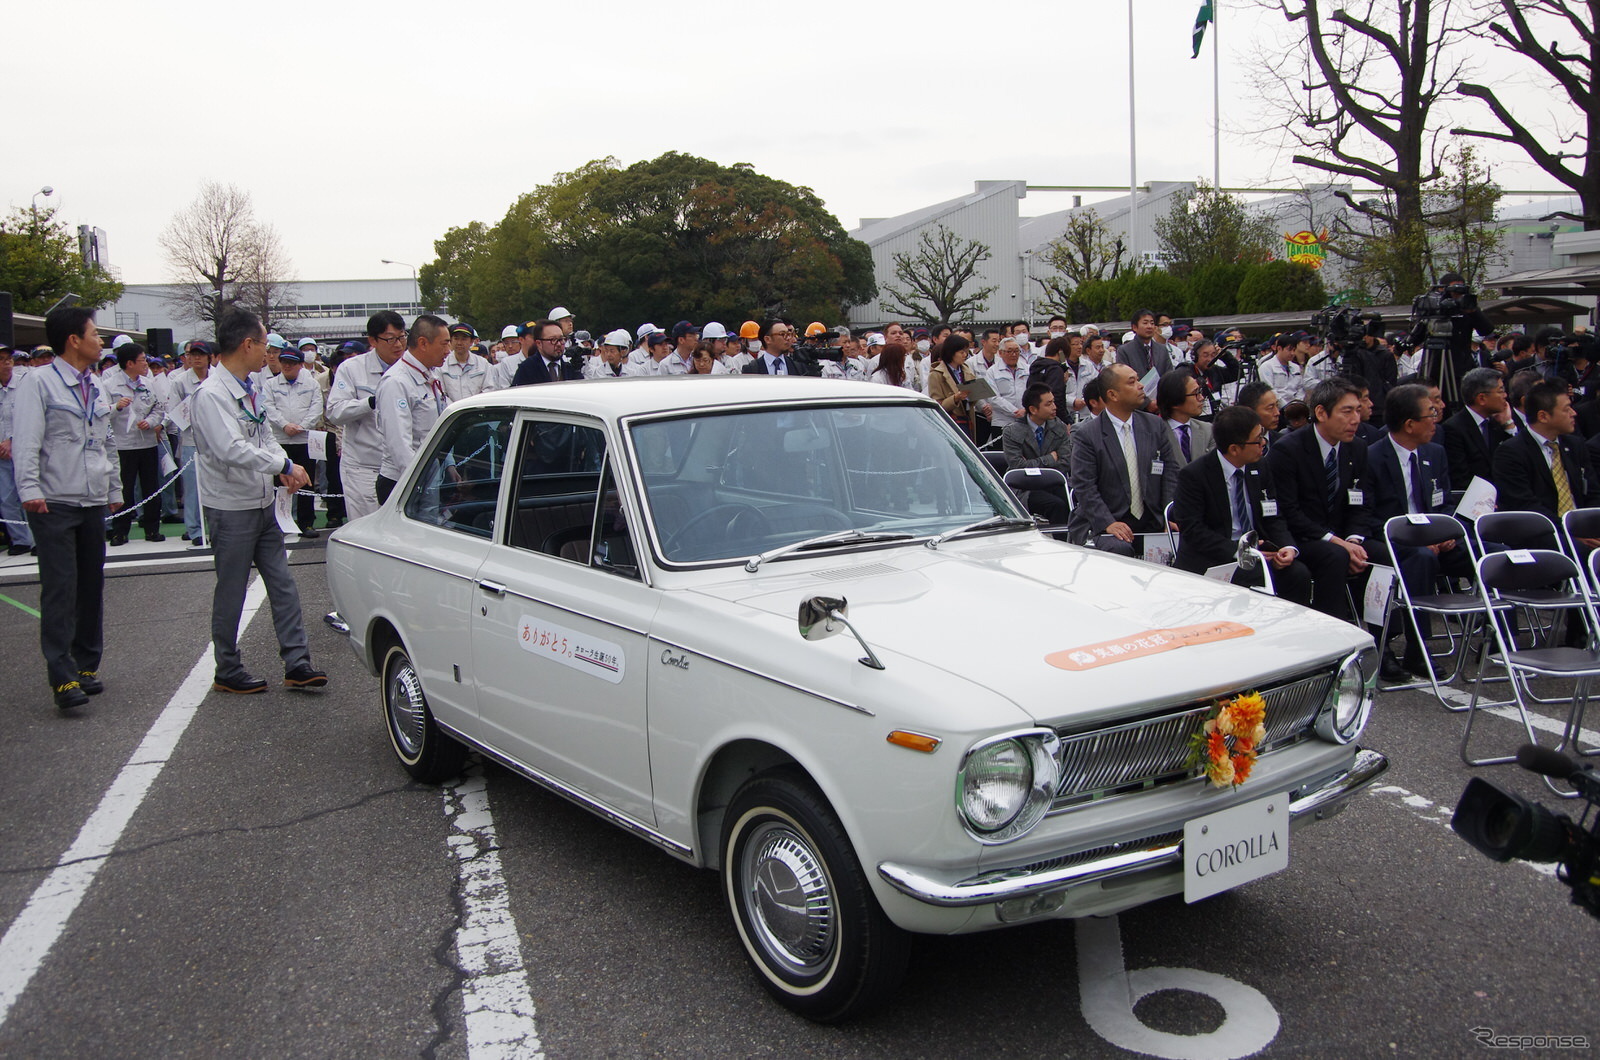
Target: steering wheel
[{"x": 726, "y": 522}]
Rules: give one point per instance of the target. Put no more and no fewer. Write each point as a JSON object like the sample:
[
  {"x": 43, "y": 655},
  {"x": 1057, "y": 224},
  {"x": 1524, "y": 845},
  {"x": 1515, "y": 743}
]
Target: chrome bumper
[
  {"x": 337, "y": 624},
  {"x": 999, "y": 886}
]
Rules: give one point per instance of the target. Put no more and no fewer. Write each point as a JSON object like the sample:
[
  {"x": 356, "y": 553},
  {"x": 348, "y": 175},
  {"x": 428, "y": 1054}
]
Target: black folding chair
[
  {"x": 1464, "y": 608},
  {"x": 1551, "y": 575}
]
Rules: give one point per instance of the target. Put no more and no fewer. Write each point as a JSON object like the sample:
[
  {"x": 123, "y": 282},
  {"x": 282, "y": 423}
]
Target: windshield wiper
[
  {"x": 994, "y": 521},
  {"x": 838, "y": 537}
]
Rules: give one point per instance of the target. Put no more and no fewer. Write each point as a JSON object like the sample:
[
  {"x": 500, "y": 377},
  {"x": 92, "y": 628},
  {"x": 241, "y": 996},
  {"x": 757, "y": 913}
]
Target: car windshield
[{"x": 723, "y": 486}]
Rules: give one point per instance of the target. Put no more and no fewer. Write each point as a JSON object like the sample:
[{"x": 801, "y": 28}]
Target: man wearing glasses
[
  {"x": 352, "y": 403},
  {"x": 1181, "y": 399},
  {"x": 1228, "y": 493},
  {"x": 546, "y": 363},
  {"x": 777, "y": 337}
]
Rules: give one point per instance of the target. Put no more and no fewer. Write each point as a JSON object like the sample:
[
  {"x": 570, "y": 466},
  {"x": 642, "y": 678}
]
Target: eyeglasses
[
  {"x": 1257, "y": 441},
  {"x": 392, "y": 338}
]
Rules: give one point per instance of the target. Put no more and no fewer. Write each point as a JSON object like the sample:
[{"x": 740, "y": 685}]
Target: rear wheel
[
  {"x": 425, "y": 751},
  {"x": 808, "y": 919}
]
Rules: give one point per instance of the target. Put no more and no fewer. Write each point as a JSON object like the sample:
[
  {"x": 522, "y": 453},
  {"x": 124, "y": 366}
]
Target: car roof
[{"x": 628, "y": 396}]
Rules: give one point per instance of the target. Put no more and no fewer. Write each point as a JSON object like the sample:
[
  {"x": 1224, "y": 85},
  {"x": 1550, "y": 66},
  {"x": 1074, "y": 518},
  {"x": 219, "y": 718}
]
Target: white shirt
[
  {"x": 299, "y": 403},
  {"x": 410, "y": 400},
  {"x": 464, "y": 380},
  {"x": 238, "y": 458},
  {"x": 350, "y": 405},
  {"x": 1009, "y": 385},
  {"x": 1287, "y": 379},
  {"x": 502, "y": 372}
]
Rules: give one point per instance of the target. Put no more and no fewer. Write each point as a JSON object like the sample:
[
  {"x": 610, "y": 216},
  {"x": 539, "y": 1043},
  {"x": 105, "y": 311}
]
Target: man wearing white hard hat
[
  {"x": 639, "y": 356},
  {"x": 611, "y": 358}
]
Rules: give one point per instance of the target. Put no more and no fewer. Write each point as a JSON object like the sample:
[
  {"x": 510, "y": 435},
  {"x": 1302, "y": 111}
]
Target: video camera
[
  {"x": 1503, "y": 826},
  {"x": 1433, "y": 312}
]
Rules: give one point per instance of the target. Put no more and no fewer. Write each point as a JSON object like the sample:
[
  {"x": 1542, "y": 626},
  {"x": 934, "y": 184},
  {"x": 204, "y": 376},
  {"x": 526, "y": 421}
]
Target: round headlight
[
  {"x": 1349, "y": 703},
  {"x": 1006, "y": 784}
]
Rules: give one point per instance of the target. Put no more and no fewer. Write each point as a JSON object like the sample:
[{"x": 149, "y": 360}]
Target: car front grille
[{"x": 1156, "y": 750}]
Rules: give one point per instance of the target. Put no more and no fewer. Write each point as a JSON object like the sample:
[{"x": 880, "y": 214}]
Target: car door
[
  {"x": 440, "y": 540},
  {"x": 559, "y": 633}
]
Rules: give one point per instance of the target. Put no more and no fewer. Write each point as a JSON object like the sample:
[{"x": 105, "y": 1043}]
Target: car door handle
[{"x": 492, "y": 587}]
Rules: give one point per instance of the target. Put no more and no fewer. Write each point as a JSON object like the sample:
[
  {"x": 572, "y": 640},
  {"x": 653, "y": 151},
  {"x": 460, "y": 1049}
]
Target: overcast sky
[{"x": 363, "y": 131}]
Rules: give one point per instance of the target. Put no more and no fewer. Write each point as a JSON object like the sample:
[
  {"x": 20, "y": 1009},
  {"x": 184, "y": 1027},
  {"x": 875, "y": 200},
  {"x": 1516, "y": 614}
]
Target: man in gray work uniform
[{"x": 239, "y": 464}]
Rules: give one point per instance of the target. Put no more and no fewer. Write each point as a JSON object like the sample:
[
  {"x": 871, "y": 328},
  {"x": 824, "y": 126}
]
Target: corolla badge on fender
[{"x": 669, "y": 659}]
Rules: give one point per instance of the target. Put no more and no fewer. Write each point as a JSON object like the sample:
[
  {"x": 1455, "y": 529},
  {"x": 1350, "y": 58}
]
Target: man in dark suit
[
  {"x": 1040, "y": 440},
  {"x": 1145, "y": 350},
  {"x": 1321, "y": 474},
  {"x": 1410, "y": 475},
  {"x": 1546, "y": 468},
  {"x": 1228, "y": 493},
  {"x": 777, "y": 338},
  {"x": 546, "y": 363},
  {"x": 1471, "y": 436},
  {"x": 1124, "y": 468}
]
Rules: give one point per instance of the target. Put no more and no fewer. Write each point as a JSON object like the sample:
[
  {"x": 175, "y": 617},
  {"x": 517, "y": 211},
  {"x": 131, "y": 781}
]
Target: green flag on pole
[{"x": 1206, "y": 15}]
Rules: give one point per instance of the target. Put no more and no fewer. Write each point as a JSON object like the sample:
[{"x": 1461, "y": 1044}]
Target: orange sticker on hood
[{"x": 1150, "y": 642}]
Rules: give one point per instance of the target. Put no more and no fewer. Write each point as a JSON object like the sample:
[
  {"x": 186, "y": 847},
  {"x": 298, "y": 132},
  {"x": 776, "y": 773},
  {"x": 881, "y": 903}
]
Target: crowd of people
[{"x": 1306, "y": 443}]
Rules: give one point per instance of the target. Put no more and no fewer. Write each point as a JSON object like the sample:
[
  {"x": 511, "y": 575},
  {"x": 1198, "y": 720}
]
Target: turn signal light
[{"x": 915, "y": 741}]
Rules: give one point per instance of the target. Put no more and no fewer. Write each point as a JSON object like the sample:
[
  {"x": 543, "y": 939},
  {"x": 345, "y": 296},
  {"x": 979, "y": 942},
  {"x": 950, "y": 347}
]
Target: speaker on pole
[
  {"x": 7, "y": 336},
  {"x": 160, "y": 342}
]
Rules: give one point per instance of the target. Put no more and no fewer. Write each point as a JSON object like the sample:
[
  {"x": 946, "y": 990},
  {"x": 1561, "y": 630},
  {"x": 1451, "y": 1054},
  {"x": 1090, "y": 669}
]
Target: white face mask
[
  {"x": 923, "y": 345},
  {"x": 1166, "y": 332},
  {"x": 1057, "y": 334}
]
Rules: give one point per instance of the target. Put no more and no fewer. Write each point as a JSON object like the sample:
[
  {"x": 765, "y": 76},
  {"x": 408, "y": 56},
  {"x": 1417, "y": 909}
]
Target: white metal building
[{"x": 326, "y": 310}]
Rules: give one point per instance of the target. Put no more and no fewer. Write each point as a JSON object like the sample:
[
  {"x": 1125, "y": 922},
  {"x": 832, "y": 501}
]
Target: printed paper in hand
[
  {"x": 284, "y": 509},
  {"x": 1151, "y": 378},
  {"x": 180, "y": 415},
  {"x": 1380, "y": 584},
  {"x": 168, "y": 464},
  {"x": 1478, "y": 500},
  {"x": 1158, "y": 549},
  {"x": 317, "y": 442},
  {"x": 133, "y": 418}
]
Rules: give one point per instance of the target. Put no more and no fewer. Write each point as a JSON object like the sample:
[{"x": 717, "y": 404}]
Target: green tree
[
  {"x": 1086, "y": 251},
  {"x": 1214, "y": 289},
  {"x": 446, "y": 281},
  {"x": 1281, "y": 286},
  {"x": 1460, "y": 214},
  {"x": 40, "y": 262},
  {"x": 932, "y": 283},
  {"x": 676, "y": 236},
  {"x": 1155, "y": 289},
  {"x": 1206, "y": 226}
]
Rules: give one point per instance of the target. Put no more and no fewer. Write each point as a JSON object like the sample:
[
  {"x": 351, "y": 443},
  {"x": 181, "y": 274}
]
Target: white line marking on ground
[
  {"x": 1586, "y": 737},
  {"x": 495, "y": 997},
  {"x": 1429, "y": 810},
  {"x": 33, "y": 934}
]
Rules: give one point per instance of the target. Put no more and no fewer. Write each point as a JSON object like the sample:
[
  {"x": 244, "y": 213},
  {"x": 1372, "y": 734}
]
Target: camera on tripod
[
  {"x": 1503, "y": 826},
  {"x": 1434, "y": 312}
]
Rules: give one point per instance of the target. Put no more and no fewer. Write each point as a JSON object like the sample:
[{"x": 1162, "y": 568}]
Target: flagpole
[
  {"x": 1133, "y": 156},
  {"x": 1216, "y": 98}
]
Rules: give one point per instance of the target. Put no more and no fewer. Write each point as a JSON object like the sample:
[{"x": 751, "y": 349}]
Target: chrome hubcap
[
  {"x": 407, "y": 708},
  {"x": 787, "y": 898}
]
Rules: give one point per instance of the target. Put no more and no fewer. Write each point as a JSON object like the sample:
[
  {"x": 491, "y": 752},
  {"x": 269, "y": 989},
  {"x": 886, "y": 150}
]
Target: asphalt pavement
[{"x": 284, "y": 889}]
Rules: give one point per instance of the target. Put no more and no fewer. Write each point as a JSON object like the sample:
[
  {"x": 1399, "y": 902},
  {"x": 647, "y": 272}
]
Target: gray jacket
[
  {"x": 60, "y": 450},
  {"x": 144, "y": 406},
  {"x": 1099, "y": 476},
  {"x": 238, "y": 457}
]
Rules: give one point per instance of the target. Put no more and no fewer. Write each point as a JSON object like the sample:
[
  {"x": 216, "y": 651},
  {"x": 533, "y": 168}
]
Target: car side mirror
[
  {"x": 823, "y": 616},
  {"x": 1034, "y": 478}
]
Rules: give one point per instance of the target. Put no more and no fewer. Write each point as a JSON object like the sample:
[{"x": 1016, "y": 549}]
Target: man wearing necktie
[
  {"x": 410, "y": 397},
  {"x": 1039, "y": 439},
  {"x": 1145, "y": 350},
  {"x": 1180, "y": 397},
  {"x": 777, "y": 338},
  {"x": 1410, "y": 475},
  {"x": 1471, "y": 436},
  {"x": 1124, "y": 469},
  {"x": 1545, "y": 468},
  {"x": 293, "y": 403},
  {"x": 60, "y": 446},
  {"x": 1321, "y": 474}
]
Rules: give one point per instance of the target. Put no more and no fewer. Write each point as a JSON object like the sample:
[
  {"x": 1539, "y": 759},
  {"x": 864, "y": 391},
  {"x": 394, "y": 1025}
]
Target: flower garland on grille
[{"x": 1225, "y": 746}]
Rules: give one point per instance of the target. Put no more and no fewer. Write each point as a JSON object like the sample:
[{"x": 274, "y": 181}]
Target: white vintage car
[{"x": 799, "y": 632}]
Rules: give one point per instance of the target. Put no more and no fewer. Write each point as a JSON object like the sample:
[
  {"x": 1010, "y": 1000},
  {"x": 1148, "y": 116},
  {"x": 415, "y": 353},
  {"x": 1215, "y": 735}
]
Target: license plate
[{"x": 1233, "y": 846}]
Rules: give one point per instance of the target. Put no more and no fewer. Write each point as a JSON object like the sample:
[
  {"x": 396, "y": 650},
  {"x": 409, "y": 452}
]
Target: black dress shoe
[
  {"x": 18, "y": 550},
  {"x": 242, "y": 685},
  {"x": 116, "y": 540},
  {"x": 154, "y": 538},
  {"x": 309, "y": 532},
  {"x": 90, "y": 682},
  {"x": 305, "y": 677},
  {"x": 1392, "y": 672},
  {"x": 70, "y": 695}
]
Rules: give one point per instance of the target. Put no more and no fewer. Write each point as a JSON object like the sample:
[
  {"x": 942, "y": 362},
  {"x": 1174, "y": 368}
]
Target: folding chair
[
  {"x": 1576, "y": 524},
  {"x": 1525, "y": 530},
  {"x": 1502, "y": 575},
  {"x": 1422, "y": 531},
  {"x": 1172, "y": 538}
]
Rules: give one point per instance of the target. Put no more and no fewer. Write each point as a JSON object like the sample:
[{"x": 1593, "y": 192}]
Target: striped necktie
[
  {"x": 1131, "y": 456},
  {"x": 1558, "y": 472},
  {"x": 1330, "y": 469}
]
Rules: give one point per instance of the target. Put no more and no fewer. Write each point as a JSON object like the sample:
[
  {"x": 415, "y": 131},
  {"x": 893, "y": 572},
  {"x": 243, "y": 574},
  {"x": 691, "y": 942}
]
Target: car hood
[{"x": 1073, "y": 637}]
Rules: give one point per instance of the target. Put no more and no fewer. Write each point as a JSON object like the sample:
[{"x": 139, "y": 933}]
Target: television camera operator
[{"x": 1442, "y": 322}]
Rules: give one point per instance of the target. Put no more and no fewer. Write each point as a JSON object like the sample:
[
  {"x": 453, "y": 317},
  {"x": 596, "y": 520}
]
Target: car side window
[
  {"x": 555, "y": 497},
  {"x": 460, "y": 479}
]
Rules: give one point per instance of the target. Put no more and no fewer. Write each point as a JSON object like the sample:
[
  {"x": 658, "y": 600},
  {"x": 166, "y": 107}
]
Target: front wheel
[
  {"x": 425, "y": 751},
  {"x": 808, "y": 919}
]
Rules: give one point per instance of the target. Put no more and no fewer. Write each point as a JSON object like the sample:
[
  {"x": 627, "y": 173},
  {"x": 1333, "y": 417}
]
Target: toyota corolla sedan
[{"x": 798, "y": 632}]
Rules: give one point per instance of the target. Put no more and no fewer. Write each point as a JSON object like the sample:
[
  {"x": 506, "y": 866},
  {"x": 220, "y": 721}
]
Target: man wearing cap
[
  {"x": 10, "y": 501},
  {"x": 410, "y": 399},
  {"x": 240, "y": 464},
  {"x": 276, "y": 344},
  {"x": 60, "y": 446},
  {"x": 135, "y": 426},
  {"x": 463, "y": 373},
  {"x": 685, "y": 338},
  {"x": 658, "y": 347},
  {"x": 547, "y": 363},
  {"x": 294, "y": 406},
  {"x": 611, "y": 363},
  {"x": 777, "y": 337},
  {"x": 352, "y": 401},
  {"x": 183, "y": 383},
  {"x": 505, "y": 370}
]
